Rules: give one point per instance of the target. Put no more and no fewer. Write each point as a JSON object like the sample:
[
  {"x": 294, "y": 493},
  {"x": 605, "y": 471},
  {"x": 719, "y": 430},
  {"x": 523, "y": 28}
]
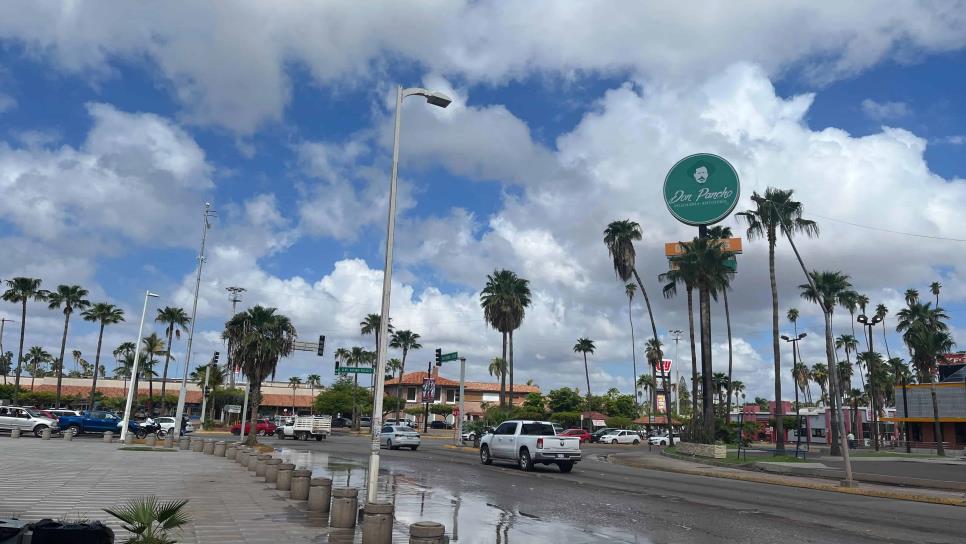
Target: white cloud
[{"x": 884, "y": 111}]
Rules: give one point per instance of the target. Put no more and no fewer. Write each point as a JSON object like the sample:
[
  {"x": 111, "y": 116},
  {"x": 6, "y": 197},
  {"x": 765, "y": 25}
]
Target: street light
[
  {"x": 676, "y": 335},
  {"x": 372, "y": 477},
  {"x": 798, "y": 409},
  {"x": 869, "y": 324},
  {"x": 134, "y": 368}
]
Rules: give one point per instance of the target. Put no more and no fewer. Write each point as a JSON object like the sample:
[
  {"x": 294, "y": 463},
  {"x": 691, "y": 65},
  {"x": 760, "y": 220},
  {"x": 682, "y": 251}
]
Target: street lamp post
[
  {"x": 676, "y": 335},
  {"x": 869, "y": 324},
  {"x": 798, "y": 409},
  {"x": 372, "y": 477},
  {"x": 131, "y": 392}
]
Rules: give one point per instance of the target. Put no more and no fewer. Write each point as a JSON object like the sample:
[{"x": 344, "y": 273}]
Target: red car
[
  {"x": 580, "y": 433},
  {"x": 262, "y": 428}
]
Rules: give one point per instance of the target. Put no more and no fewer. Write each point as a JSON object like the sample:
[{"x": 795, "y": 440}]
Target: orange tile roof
[
  {"x": 416, "y": 378},
  {"x": 193, "y": 397}
]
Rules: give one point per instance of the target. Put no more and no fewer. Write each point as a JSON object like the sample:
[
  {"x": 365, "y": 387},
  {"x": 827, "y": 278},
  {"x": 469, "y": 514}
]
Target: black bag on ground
[{"x": 47, "y": 531}]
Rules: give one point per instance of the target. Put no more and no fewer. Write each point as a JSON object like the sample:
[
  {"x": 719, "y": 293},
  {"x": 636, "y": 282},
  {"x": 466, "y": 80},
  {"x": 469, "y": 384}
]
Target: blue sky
[{"x": 113, "y": 138}]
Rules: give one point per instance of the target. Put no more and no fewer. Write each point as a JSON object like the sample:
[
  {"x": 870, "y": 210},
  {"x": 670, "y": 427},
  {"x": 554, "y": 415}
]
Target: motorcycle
[{"x": 149, "y": 426}]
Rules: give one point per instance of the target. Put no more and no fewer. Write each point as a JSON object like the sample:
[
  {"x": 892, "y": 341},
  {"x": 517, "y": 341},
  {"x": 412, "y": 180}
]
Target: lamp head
[
  {"x": 785, "y": 338},
  {"x": 438, "y": 99},
  {"x": 862, "y": 319},
  {"x": 152, "y": 295},
  {"x": 802, "y": 335}
]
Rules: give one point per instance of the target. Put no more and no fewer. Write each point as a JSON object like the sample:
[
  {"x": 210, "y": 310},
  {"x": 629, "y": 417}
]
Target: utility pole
[
  {"x": 676, "y": 336},
  {"x": 234, "y": 296},
  {"x": 869, "y": 324},
  {"x": 183, "y": 393},
  {"x": 459, "y": 420},
  {"x": 798, "y": 409}
]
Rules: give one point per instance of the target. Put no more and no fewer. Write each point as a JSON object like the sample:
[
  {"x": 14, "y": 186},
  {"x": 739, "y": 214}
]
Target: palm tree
[
  {"x": 684, "y": 274},
  {"x": 719, "y": 381},
  {"x": 722, "y": 233},
  {"x": 405, "y": 340},
  {"x": 370, "y": 325},
  {"x": 630, "y": 289},
  {"x": 6, "y": 364},
  {"x": 76, "y": 355},
  {"x": 828, "y": 286},
  {"x": 68, "y": 297},
  {"x": 881, "y": 312},
  {"x": 497, "y": 367},
  {"x": 177, "y": 322},
  {"x": 104, "y": 314},
  {"x": 820, "y": 376},
  {"x": 214, "y": 377},
  {"x": 934, "y": 288},
  {"x": 912, "y": 296},
  {"x": 21, "y": 290},
  {"x": 294, "y": 382},
  {"x": 258, "y": 337},
  {"x": 850, "y": 345},
  {"x": 619, "y": 237},
  {"x": 776, "y": 211},
  {"x": 737, "y": 388},
  {"x": 850, "y": 301},
  {"x": 903, "y": 377},
  {"x": 856, "y": 396},
  {"x": 504, "y": 299},
  {"x": 153, "y": 345},
  {"x": 36, "y": 358},
  {"x": 585, "y": 346},
  {"x": 647, "y": 383},
  {"x": 314, "y": 381},
  {"x": 801, "y": 376}
]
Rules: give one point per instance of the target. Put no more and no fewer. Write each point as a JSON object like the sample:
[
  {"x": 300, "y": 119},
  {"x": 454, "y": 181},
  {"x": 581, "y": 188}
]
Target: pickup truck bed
[{"x": 527, "y": 443}]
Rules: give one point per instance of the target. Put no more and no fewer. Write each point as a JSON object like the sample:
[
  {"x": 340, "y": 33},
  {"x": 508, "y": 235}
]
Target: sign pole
[{"x": 459, "y": 420}]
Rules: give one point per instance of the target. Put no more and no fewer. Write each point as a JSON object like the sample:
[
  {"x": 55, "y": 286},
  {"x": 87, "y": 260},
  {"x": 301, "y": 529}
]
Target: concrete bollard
[
  {"x": 271, "y": 470},
  {"x": 45, "y": 434},
  {"x": 242, "y": 456},
  {"x": 231, "y": 452},
  {"x": 169, "y": 440},
  {"x": 184, "y": 443},
  {"x": 260, "y": 465},
  {"x": 283, "y": 482},
  {"x": 108, "y": 437},
  {"x": 128, "y": 438},
  {"x": 68, "y": 435},
  {"x": 209, "y": 447},
  {"x": 300, "y": 484},
  {"x": 151, "y": 440},
  {"x": 253, "y": 460},
  {"x": 219, "y": 450},
  {"x": 197, "y": 445},
  {"x": 320, "y": 493},
  {"x": 345, "y": 506},
  {"x": 15, "y": 433},
  {"x": 426, "y": 532},
  {"x": 377, "y": 523}
]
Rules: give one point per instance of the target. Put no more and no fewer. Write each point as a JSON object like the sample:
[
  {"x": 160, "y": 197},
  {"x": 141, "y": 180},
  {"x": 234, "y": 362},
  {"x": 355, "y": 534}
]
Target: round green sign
[{"x": 701, "y": 189}]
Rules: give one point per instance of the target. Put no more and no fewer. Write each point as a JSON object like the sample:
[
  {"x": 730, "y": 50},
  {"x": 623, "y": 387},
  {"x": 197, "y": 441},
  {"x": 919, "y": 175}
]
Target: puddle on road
[{"x": 471, "y": 518}]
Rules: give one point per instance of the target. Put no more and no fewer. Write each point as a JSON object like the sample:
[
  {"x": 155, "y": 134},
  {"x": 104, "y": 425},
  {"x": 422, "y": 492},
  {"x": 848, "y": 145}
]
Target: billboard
[{"x": 429, "y": 390}]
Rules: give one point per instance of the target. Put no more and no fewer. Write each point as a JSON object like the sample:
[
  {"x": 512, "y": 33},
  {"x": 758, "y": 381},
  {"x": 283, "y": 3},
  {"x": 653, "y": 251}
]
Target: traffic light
[
  {"x": 321, "y": 344},
  {"x": 207, "y": 390},
  {"x": 214, "y": 360},
  {"x": 439, "y": 357}
]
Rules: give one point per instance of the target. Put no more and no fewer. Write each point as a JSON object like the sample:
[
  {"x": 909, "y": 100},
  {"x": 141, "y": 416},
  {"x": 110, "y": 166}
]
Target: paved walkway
[{"x": 75, "y": 480}]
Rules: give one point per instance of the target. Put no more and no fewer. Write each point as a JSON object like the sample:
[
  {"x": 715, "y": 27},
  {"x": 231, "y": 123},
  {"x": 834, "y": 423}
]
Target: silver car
[
  {"x": 25, "y": 419},
  {"x": 399, "y": 436}
]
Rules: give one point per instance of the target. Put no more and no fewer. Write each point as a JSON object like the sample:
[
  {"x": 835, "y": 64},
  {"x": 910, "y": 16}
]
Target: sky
[{"x": 118, "y": 122}]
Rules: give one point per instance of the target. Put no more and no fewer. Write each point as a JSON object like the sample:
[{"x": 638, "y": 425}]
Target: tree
[
  {"x": 314, "y": 381},
  {"x": 177, "y": 321},
  {"x": 934, "y": 288},
  {"x": 153, "y": 346},
  {"x": 762, "y": 403},
  {"x": 881, "y": 311},
  {"x": 776, "y": 211},
  {"x": 76, "y": 355},
  {"x": 406, "y": 340},
  {"x": 103, "y": 314},
  {"x": 534, "y": 402},
  {"x": 498, "y": 368},
  {"x": 737, "y": 388},
  {"x": 258, "y": 337},
  {"x": 825, "y": 289},
  {"x": 719, "y": 380},
  {"x": 564, "y": 399},
  {"x": 800, "y": 375},
  {"x": 214, "y": 375},
  {"x": 6, "y": 364},
  {"x": 648, "y": 384},
  {"x": 585, "y": 346},
  {"x": 911, "y": 296},
  {"x": 902, "y": 377},
  {"x": 849, "y": 344},
  {"x": 652, "y": 352},
  {"x": 36, "y": 358},
  {"x": 68, "y": 297},
  {"x": 21, "y": 290},
  {"x": 370, "y": 325},
  {"x": 341, "y": 398},
  {"x": 722, "y": 233},
  {"x": 504, "y": 300},
  {"x": 820, "y": 376},
  {"x": 630, "y": 289},
  {"x": 294, "y": 382},
  {"x": 684, "y": 274}
]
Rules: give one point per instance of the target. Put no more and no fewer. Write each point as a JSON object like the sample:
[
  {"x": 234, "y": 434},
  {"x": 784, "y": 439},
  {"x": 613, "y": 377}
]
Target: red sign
[
  {"x": 953, "y": 359},
  {"x": 664, "y": 367}
]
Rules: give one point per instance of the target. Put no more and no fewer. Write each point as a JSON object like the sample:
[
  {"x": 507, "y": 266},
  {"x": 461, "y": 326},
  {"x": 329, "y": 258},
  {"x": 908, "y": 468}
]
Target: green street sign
[
  {"x": 731, "y": 263},
  {"x": 701, "y": 189},
  {"x": 353, "y": 370},
  {"x": 449, "y": 357}
]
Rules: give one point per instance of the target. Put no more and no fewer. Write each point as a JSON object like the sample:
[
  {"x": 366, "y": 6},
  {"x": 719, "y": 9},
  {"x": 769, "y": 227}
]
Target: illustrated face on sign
[{"x": 701, "y": 174}]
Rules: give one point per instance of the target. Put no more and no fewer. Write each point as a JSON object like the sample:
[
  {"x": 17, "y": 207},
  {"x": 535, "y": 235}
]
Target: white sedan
[
  {"x": 621, "y": 437},
  {"x": 399, "y": 436},
  {"x": 661, "y": 440},
  {"x": 167, "y": 424}
]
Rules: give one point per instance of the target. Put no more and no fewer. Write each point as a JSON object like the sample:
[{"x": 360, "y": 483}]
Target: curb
[{"x": 460, "y": 448}]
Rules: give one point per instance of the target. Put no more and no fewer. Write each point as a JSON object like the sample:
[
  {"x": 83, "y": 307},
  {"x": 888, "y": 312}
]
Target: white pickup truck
[
  {"x": 305, "y": 427},
  {"x": 530, "y": 442}
]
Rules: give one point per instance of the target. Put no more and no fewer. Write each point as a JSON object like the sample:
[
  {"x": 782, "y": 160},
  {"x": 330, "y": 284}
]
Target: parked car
[
  {"x": 167, "y": 425},
  {"x": 365, "y": 421},
  {"x": 403, "y": 421},
  {"x": 262, "y": 428},
  {"x": 440, "y": 424},
  {"x": 622, "y": 436},
  {"x": 95, "y": 421},
  {"x": 558, "y": 428},
  {"x": 530, "y": 442},
  {"x": 399, "y": 436},
  {"x": 25, "y": 419},
  {"x": 305, "y": 427},
  {"x": 341, "y": 423},
  {"x": 582, "y": 434},
  {"x": 661, "y": 440},
  {"x": 57, "y": 412},
  {"x": 595, "y": 436}
]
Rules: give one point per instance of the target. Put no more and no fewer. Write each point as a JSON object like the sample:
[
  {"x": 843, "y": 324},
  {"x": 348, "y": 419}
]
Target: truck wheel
[
  {"x": 39, "y": 430},
  {"x": 614, "y": 441},
  {"x": 74, "y": 429},
  {"x": 485, "y": 455},
  {"x": 319, "y": 438},
  {"x": 566, "y": 466},
  {"x": 526, "y": 464},
  {"x": 261, "y": 432},
  {"x": 636, "y": 441},
  {"x": 280, "y": 436}
]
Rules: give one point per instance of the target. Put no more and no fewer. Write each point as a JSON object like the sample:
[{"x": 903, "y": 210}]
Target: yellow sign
[{"x": 728, "y": 245}]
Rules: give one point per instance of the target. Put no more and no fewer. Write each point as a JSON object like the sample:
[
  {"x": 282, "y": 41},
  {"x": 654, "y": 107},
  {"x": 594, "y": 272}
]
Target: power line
[{"x": 869, "y": 227}]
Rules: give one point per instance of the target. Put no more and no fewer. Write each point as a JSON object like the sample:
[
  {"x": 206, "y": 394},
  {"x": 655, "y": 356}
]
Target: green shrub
[
  {"x": 567, "y": 419},
  {"x": 620, "y": 422}
]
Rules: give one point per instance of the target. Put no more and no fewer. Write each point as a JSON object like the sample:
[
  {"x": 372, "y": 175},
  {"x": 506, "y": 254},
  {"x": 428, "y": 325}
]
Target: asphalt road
[
  {"x": 599, "y": 502},
  {"x": 953, "y": 472}
]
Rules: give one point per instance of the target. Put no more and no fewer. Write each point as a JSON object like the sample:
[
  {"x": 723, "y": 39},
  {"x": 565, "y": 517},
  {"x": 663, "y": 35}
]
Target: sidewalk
[
  {"x": 76, "y": 480},
  {"x": 698, "y": 468}
]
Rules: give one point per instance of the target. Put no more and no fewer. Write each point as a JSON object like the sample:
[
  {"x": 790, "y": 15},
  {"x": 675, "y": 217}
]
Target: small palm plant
[{"x": 150, "y": 519}]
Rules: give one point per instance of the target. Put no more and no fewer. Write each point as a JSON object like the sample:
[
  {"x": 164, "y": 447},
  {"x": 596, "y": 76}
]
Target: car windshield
[
  {"x": 404, "y": 429},
  {"x": 32, "y": 412}
]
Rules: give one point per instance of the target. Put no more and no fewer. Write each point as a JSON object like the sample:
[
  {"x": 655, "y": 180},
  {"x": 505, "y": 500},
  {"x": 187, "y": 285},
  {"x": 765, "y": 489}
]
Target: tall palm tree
[
  {"x": 357, "y": 358},
  {"x": 652, "y": 352},
  {"x": 153, "y": 346},
  {"x": 497, "y": 367},
  {"x": 647, "y": 383},
  {"x": 76, "y": 355},
  {"x": 177, "y": 322},
  {"x": 902, "y": 377},
  {"x": 881, "y": 312},
  {"x": 313, "y": 381},
  {"x": 405, "y": 340},
  {"x": 294, "y": 382},
  {"x": 6, "y": 364},
  {"x": 214, "y": 376},
  {"x": 850, "y": 301},
  {"x": 828, "y": 285},
  {"x": 912, "y": 296},
  {"x": 630, "y": 289},
  {"x": 856, "y": 396},
  {"x": 820, "y": 376},
  {"x": 801, "y": 377},
  {"x": 737, "y": 388},
  {"x": 104, "y": 314},
  {"x": 37, "y": 357},
  {"x": 370, "y": 325},
  {"x": 259, "y": 337},
  {"x": 21, "y": 290},
  {"x": 719, "y": 381},
  {"x": 619, "y": 237},
  {"x": 850, "y": 345},
  {"x": 773, "y": 212},
  {"x": 721, "y": 233},
  {"x": 520, "y": 292},
  {"x": 503, "y": 310},
  {"x": 68, "y": 297},
  {"x": 934, "y": 288},
  {"x": 684, "y": 274},
  {"x": 585, "y": 346}
]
